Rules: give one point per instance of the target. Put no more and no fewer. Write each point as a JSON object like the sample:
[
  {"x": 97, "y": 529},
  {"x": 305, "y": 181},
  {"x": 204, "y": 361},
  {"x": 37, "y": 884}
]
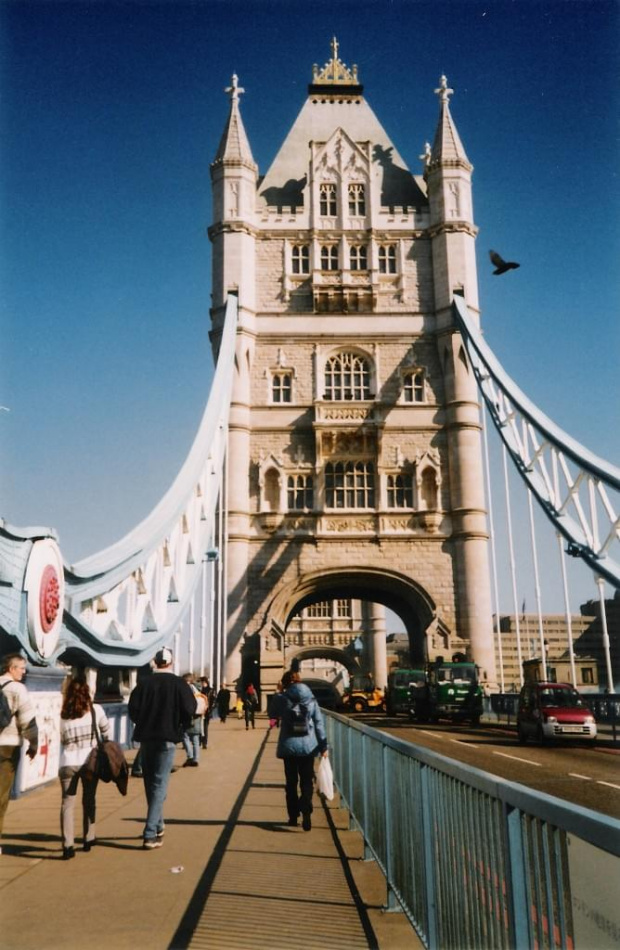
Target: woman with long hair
[{"x": 77, "y": 737}]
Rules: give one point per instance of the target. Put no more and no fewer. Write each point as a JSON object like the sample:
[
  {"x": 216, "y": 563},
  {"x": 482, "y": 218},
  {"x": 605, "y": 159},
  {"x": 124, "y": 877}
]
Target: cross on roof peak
[
  {"x": 444, "y": 92},
  {"x": 234, "y": 89}
]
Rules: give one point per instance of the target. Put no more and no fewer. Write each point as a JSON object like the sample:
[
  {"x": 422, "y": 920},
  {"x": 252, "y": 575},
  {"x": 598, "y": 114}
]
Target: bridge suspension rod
[{"x": 577, "y": 490}]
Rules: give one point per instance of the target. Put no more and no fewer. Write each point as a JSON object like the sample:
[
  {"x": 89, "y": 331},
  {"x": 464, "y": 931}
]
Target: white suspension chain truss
[
  {"x": 577, "y": 490},
  {"x": 127, "y": 600}
]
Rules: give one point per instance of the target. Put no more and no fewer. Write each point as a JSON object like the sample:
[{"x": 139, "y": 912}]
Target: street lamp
[{"x": 211, "y": 556}]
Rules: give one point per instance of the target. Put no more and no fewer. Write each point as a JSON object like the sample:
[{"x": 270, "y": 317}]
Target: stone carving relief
[{"x": 349, "y": 525}]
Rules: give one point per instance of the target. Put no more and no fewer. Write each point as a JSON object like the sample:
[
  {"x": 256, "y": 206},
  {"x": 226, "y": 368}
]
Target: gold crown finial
[{"x": 335, "y": 72}]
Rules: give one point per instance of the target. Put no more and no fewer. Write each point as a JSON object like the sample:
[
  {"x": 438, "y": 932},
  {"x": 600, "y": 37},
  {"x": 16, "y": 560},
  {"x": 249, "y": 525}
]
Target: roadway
[{"x": 583, "y": 775}]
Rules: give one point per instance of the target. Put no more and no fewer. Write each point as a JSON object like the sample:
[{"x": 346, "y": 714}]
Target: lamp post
[{"x": 211, "y": 557}]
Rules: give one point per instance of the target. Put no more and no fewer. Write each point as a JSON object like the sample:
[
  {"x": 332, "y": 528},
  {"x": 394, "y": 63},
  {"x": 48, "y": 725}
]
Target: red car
[{"x": 553, "y": 711}]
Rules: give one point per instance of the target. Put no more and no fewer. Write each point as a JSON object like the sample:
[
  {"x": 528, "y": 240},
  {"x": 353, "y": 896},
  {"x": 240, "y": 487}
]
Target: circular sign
[
  {"x": 45, "y": 588},
  {"x": 49, "y": 598}
]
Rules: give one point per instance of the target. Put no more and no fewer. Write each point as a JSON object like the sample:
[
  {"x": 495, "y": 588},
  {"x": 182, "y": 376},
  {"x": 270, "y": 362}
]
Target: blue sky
[{"x": 111, "y": 114}]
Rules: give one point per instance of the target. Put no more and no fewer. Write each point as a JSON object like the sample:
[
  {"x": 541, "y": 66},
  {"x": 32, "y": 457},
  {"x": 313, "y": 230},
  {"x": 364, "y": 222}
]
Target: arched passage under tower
[{"x": 275, "y": 649}]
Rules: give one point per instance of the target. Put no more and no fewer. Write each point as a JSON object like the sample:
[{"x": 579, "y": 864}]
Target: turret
[
  {"x": 234, "y": 176},
  {"x": 448, "y": 174},
  {"x": 453, "y": 233}
]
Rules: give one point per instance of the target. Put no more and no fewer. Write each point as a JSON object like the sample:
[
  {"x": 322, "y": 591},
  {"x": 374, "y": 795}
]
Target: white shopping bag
[{"x": 325, "y": 778}]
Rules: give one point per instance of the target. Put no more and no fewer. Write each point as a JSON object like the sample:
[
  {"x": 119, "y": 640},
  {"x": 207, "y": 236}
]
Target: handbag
[
  {"x": 106, "y": 760},
  {"x": 325, "y": 778}
]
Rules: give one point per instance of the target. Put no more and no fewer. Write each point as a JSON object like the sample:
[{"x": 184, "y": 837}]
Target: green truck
[
  {"x": 451, "y": 691},
  {"x": 400, "y": 683}
]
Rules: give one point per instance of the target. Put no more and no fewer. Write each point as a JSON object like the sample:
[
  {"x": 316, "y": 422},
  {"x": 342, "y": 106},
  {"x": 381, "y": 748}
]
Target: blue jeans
[
  {"x": 191, "y": 744},
  {"x": 157, "y": 761}
]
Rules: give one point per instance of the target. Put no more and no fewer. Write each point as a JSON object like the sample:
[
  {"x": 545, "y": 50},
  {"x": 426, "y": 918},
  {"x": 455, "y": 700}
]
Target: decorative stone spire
[
  {"x": 447, "y": 146},
  {"x": 234, "y": 145}
]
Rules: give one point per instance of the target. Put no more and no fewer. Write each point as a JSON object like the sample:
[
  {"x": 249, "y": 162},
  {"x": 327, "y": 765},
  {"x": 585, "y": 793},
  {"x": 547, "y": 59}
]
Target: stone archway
[{"x": 398, "y": 592}]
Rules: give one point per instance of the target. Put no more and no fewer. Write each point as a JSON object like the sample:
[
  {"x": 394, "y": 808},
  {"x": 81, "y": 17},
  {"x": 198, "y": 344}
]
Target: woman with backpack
[{"x": 302, "y": 737}]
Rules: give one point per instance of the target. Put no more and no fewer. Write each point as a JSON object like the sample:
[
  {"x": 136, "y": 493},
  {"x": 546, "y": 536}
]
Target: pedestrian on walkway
[
  {"x": 209, "y": 695},
  {"x": 250, "y": 704},
  {"x": 193, "y": 733},
  {"x": 161, "y": 707},
  {"x": 22, "y": 726},
  {"x": 222, "y": 702},
  {"x": 302, "y": 737},
  {"x": 80, "y": 719}
]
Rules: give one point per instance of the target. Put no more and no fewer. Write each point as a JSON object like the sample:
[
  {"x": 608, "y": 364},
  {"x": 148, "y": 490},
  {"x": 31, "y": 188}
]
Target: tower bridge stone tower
[{"x": 355, "y": 448}]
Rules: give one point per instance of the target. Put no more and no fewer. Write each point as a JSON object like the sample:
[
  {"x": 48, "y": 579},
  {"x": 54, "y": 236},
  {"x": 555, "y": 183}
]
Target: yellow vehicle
[{"x": 362, "y": 695}]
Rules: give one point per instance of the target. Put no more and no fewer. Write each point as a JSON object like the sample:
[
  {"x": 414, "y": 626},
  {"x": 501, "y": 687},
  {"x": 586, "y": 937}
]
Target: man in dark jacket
[{"x": 161, "y": 707}]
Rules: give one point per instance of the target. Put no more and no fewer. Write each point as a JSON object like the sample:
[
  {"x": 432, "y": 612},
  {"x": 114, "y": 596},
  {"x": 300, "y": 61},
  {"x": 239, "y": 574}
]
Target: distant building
[{"x": 587, "y": 645}]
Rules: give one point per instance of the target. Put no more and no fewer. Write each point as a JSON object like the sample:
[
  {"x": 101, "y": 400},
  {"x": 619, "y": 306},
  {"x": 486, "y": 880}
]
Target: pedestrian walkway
[{"x": 231, "y": 874}]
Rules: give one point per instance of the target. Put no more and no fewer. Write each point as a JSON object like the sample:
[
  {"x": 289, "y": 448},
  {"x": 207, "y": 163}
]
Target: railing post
[
  {"x": 392, "y": 902},
  {"x": 517, "y": 888},
  {"x": 429, "y": 861}
]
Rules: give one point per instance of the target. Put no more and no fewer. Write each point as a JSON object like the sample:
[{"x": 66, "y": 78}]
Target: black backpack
[
  {"x": 300, "y": 718},
  {"x": 5, "y": 710}
]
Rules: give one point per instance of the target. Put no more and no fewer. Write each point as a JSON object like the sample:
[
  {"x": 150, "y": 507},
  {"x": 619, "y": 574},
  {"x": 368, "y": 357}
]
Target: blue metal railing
[{"x": 473, "y": 860}]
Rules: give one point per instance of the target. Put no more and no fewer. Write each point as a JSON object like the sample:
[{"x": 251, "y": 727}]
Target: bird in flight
[{"x": 501, "y": 266}]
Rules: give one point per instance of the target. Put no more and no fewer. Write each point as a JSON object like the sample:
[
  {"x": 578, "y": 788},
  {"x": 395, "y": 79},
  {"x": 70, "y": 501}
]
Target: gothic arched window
[
  {"x": 329, "y": 257},
  {"x": 387, "y": 259},
  {"x": 358, "y": 257},
  {"x": 413, "y": 386},
  {"x": 300, "y": 492},
  {"x": 327, "y": 200},
  {"x": 300, "y": 257},
  {"x": 347, "y": 377},
  {"x": 400, "y": 490},
  {"x": 357, "y": 199},
  {"x": 349, "y": 485}
]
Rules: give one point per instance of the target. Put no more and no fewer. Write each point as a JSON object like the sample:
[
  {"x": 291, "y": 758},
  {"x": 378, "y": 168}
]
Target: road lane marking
[
  {"x": 608, "y": 784},
  {"x": 470, "y": 745},
  {"x": 586, "y": 778},
  {"x": 506, "y": 755},
  {"x": 437, "y": 735}
]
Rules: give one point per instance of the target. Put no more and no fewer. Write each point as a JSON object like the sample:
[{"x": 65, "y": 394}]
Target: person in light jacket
[
  {"x": 22, "y": 727},
  {"x": 80, "y": 719},
  {"x": 297, "y": 748}
]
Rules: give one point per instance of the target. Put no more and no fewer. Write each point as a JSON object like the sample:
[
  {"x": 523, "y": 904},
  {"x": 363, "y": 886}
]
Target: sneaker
[
  {"x": 68, "y": 853},
  {"x": 192, "y": 764},
  {"x": 161, "y": 833},
  {"x": 149, "y": 843},
  {"x": 306, "y": 823}
]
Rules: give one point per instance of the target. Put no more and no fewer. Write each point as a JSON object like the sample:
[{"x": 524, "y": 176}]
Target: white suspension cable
[
  {"x": 203, "y": 615},
  {"x": 224, "y": 600},
  {"x": 220, "y": 577},
  {"x": 190, "y": 642},
  {"x": 600, "y": 583},
  {"x": 541, "y": 632},
  {"x": 567, "y": 613},
  {"x": 513, "y": 571},
  {"x": 487, "y": 472},
  {"x": 176, "y": 639}
]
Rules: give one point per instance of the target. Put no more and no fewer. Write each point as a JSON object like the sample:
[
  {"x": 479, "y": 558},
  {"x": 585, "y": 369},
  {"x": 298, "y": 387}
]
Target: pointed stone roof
[
  {"x": 447, "y": 147},
  {"x": 234, "y": 145},
  {"x": 335, "y": 101}
]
